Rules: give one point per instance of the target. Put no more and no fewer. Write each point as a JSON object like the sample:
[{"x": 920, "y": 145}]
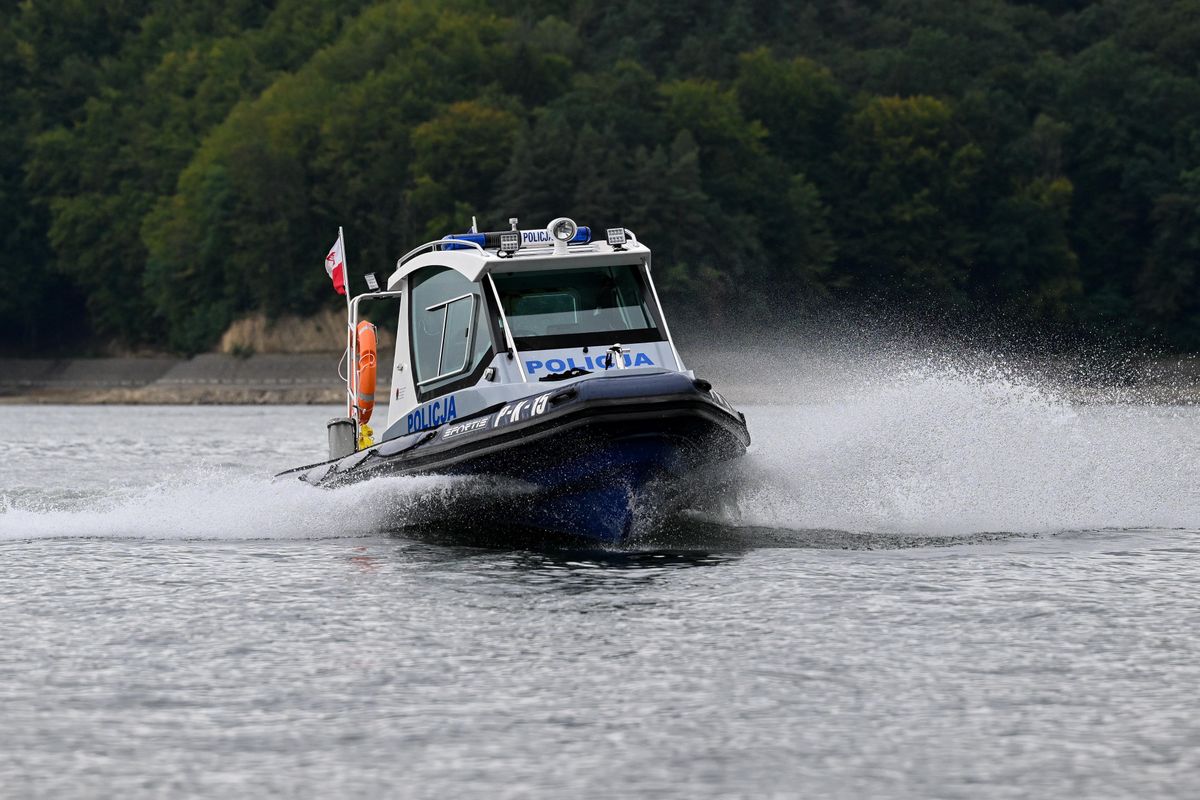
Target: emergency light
[{"x": 539, "y": 237}]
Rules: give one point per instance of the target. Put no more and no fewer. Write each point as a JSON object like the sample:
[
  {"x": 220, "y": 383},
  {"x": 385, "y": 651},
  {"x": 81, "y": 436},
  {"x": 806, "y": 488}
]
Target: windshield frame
[{"x": 654, "y": 333}]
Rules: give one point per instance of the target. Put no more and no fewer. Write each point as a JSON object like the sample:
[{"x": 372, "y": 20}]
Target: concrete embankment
[
  {"x": 292, "y": 378},
  {"x": 211, "y": 378},
  {"x": 747, "y": 375}
]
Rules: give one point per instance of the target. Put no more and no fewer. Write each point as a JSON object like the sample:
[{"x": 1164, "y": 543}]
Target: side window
[{"x": 448, "y": 328}]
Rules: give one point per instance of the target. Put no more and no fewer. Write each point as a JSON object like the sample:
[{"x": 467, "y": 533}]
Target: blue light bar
[
  {"x": 528, "y": 238},
  {"x": 477, "y": 238}
]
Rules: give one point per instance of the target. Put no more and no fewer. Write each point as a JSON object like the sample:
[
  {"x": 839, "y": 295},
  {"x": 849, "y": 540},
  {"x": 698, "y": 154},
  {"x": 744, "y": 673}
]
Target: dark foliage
[{"x": 166, "y": 167}]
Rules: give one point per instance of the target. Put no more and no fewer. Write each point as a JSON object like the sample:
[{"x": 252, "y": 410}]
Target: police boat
[{"x": 537, "y": 355}]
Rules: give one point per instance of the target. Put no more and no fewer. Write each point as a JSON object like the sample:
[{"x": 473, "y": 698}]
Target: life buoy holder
[{"x": 364, "y": 379}]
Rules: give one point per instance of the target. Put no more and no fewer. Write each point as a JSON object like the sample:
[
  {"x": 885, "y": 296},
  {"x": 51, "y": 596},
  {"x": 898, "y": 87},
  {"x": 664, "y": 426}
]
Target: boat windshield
[{"x": 576, "y": 306}]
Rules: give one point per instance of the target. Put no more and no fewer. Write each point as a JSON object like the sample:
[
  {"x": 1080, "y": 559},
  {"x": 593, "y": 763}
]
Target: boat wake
[
  {"x": 887, "y": 453},
  {"x": 934, "y": 449},
  {"x": 219, "y": 505}
]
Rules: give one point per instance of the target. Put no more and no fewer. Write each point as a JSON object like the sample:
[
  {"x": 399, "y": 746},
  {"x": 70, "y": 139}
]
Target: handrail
[
  {"x": 466, "y": 243},
  {"x": 435, "y": 243},
  {"x": 352, "y": 348}
]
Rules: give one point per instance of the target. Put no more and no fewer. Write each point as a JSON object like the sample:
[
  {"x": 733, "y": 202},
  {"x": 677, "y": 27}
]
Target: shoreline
[
  {"x": 743, "y": 375},
  {"x": 207, "y": 379}
]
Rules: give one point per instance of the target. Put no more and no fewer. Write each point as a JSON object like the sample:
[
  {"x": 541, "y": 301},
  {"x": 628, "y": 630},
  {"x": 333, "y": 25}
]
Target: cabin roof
[{"x": 473, "y": 261}]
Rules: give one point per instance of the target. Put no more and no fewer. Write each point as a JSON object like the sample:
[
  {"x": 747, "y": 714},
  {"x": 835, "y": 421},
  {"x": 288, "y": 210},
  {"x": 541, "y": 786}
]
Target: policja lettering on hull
[
  {"x": 439, "y": 412},
  {"x": 587, "y": 362}
]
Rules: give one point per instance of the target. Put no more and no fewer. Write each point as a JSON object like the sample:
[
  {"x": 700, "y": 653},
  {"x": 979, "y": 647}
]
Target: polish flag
[{"x": 335, "y": 265}]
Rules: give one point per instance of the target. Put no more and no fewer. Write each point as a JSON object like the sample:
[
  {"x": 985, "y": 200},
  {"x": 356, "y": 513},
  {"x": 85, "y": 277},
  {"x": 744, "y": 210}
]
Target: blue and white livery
[{"x": 541, "y": 355}]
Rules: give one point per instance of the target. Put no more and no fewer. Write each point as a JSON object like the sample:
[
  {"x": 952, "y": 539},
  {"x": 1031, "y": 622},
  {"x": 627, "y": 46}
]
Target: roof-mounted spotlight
[
  {"x": 562, "y": 229},
  {"x": 510, "y": 242},
  {"x": 617, "y": 238}
]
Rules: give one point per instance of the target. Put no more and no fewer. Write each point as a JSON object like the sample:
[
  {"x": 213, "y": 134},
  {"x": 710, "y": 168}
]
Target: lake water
[{"x": 945, "y": 584}]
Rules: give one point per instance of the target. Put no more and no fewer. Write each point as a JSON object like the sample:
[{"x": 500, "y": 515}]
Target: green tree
[
  {"x": 799, "y": 104},
  {"x": 457, "y": 158},
  {"x": 1169, "y": 283},
  {"x": 172, "y": 165},
  {"x": 909, "y": 174}
]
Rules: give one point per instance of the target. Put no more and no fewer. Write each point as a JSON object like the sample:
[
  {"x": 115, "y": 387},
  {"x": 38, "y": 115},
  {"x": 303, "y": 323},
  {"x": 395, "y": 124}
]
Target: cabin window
[
  {"x": 448, "y": 327},
  {"x": 586, "y": 302}
]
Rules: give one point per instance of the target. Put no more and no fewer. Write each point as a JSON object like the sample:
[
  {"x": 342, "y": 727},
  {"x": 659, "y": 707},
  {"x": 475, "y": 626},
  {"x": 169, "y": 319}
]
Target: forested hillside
[{"x": 166, "y": 167}]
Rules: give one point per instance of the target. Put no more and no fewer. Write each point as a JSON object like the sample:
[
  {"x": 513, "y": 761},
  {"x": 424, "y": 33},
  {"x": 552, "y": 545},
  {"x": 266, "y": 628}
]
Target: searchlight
[{"x": 562, "y": 229}]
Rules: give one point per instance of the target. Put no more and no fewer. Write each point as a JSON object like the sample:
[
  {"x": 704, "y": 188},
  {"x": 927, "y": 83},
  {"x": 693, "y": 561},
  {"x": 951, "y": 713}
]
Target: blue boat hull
[
  {"x": 600, "y": 497},
  {"x": 593, "y": 464}
]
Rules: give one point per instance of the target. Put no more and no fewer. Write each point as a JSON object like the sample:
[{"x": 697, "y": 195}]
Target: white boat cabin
[{"x": 490, "y": 317}]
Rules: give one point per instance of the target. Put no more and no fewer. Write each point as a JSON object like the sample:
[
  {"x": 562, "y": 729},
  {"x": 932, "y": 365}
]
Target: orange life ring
[{"x": 364, "y": 380}]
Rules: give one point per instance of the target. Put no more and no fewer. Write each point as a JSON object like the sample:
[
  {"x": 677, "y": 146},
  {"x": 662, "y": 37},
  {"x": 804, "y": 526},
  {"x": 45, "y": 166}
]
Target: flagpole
[{"x": 351, "y": 366}]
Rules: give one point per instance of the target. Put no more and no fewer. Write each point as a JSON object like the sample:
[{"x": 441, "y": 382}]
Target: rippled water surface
[{"x": 947, "y": 586}]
